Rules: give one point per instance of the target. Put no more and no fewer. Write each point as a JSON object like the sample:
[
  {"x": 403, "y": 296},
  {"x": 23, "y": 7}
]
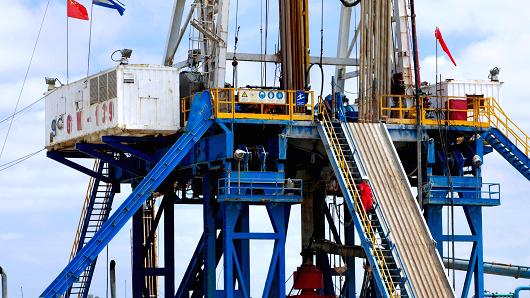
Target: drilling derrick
[{"x": 183, "y": 133}]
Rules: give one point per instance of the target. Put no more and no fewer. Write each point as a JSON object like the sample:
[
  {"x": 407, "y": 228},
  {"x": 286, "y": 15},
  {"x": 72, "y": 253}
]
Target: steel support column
[
  {"x": 210, "y": 234},
  {"x": 169, "y": 242},
  {"x": 342, "y": 44},
  {"x": 138, "y": 255},
  {"x": 349, "y": 290}
]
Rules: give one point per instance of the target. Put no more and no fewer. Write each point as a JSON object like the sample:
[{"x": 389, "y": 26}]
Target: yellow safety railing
[
  {"x": 500, "y": 120},
  {"x": 185, "y": 108},
  {"x": 435, "y": 110},
  {"x": 264, "y": 104},
  {"x": 438, "y": 110},
  {"x": 370, "y": 232}
]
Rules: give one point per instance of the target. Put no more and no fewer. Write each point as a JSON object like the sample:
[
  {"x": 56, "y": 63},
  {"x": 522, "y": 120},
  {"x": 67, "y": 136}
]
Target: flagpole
[
  {"x": 90, "y": 38},
  {"x": 67, "y": 74},
  {"x": 436, "y": 79}
]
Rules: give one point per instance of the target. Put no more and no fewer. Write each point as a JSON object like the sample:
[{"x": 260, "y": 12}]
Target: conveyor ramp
[
  {"x": 198, "y": 123},
  {"x": 396, "y": 239},
  {"x": 408, "y": 230}
]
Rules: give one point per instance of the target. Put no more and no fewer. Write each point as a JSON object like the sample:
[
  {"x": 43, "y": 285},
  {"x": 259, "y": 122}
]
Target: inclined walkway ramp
[
  {"x": 198, "y": 123},
  {"x": 408, "y": 230},
  {"x": 507, "y": 138},
  {"x": 396, "y": 239}
]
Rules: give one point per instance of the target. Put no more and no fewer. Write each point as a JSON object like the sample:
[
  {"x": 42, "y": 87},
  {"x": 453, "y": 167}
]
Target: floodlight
[
  {"x": 50, "y": 82},
  {"x": 239, "y": 154},
  {"x": 125, "y": 55},
  {"x": 494, "y": 74}
]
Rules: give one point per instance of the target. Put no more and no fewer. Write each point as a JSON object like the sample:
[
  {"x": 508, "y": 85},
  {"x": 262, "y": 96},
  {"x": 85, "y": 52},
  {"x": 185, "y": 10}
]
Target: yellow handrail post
[{"x": 232, "y": 96}]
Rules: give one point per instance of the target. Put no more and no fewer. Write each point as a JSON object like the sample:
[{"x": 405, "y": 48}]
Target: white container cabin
[{"x": 127, "y": 100}]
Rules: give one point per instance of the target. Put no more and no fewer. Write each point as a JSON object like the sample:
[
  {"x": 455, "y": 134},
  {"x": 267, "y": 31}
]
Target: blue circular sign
[
  {"x": 270, "y": 95},
  {"x": 262, "y": 94},
  {"x": 279, "y": 95}
]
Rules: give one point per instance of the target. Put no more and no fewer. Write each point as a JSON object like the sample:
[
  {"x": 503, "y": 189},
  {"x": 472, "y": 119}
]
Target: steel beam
[
  {"x": 176, "y": 19},
  {"x": 342, "y": 43},
  {"x": 223, "y": 9},
  {"x": 493, "y": 268},
  {"x": 251, "y": 57}
]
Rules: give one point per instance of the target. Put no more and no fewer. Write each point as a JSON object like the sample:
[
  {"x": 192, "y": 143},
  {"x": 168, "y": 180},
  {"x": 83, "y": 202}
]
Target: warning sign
[{"x": 262, "y": 96}]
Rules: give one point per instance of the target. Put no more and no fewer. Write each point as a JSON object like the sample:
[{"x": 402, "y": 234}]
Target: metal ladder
[
  {"x": 508, "y": 139},
  {"x": 96, "y": 210},
  {"x": 375, "y": 242},
  {"x": 199, "y": 122}
]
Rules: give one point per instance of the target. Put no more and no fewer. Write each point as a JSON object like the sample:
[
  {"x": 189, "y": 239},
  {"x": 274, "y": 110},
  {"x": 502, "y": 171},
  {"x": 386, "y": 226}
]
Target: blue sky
[{"x": 40, "y": 200}]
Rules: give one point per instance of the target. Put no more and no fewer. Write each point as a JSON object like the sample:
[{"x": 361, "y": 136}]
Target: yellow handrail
[
  {"x": 434, "y": 110},
  {"x": 263, "y": 104},
  {"x": 352, "y": 188},
  {"x": 500, "y": 120}
]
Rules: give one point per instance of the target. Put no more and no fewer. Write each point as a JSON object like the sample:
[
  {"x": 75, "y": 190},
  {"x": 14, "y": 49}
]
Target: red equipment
[
  {"x": 457, "y": 109},
  {"x": 308, "y": 280}
]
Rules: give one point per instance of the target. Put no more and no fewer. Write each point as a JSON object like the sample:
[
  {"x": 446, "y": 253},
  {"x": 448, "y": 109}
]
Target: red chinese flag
[
  {"x": 76, "y": 10},
  {"x": 440, "y": 39}
]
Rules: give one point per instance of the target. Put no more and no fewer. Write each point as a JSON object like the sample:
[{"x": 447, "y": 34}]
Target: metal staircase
[
  {"x": 390, "y": 279},
  {"x": 96, "y": 210},
  {"x": 198, "y": 123},
  {"x": 508, "y": 139}
]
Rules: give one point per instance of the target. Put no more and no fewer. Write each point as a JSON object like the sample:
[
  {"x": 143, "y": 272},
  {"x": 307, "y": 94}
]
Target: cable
[
  {"x": 25, "y": 78},
  {"x": 21, "y": 111},
  {"x": 350, "y": 4},
  {"x": 15, "y": 162}
]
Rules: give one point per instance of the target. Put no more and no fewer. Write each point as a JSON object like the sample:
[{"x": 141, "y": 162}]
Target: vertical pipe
[
  {"x": 4, "y": 282},
  {"x": 112, "y": 279},
  {"x": 417, "y": 96}
]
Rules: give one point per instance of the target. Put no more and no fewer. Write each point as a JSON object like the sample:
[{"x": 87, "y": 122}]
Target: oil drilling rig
[{"x": 194, "y": 132}]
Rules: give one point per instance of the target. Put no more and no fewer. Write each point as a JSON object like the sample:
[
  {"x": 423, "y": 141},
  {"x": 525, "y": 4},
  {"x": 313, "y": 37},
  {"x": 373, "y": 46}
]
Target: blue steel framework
[
  {"x": 207, "y": 163},
  {"x": 226, "y": 223}
]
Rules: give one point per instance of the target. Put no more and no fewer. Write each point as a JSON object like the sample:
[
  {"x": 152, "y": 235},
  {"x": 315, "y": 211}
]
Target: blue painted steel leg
[
  {"x": 349, "y": 237},
  {"x": 275, "y": 283},
  {"x": 169, "y": 242},
  {"x": 434, "y": 221},
  {"x": 243, "y": 245},
  {"x": 137, "y": 255},
  {"x": 210, "y": 234},
  {"x": 474, "y": 219}
]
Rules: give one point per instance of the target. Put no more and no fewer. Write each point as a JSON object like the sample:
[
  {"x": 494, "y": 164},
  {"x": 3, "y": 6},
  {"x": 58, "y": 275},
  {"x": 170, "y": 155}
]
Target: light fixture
[
  {"x": 125, "y": 55},
  {"x": 51, "y": 83},
  {"x": 239, "y": 154},
  {"x": 494, "y": 74}
]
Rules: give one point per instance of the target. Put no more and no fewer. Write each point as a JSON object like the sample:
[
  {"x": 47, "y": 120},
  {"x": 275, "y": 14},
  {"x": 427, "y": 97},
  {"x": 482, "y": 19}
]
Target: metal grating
[
  {"x": 112, "y": 85},
  {"x": 103, "y": 96},
  {"x": 94, "y": 91}
]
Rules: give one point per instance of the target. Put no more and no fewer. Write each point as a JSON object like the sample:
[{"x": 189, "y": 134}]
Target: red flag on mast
[
  {"x": 441, "y": 40},
  {"x": 75, "y": 10}
]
